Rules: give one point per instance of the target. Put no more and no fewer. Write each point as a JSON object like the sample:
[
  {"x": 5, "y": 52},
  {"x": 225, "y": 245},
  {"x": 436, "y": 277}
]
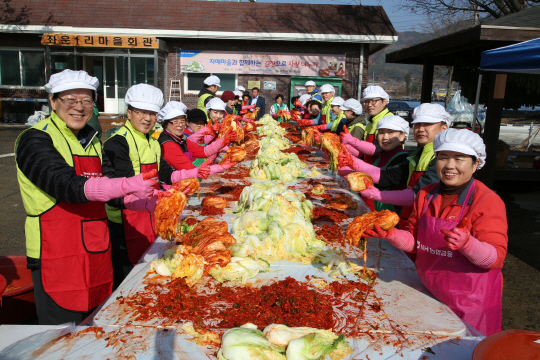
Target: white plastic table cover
[{"x": 411, "y": 323}]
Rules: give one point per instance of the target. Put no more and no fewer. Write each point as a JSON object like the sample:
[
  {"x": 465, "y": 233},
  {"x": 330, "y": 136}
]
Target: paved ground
[{"x": 521, "y": 271}]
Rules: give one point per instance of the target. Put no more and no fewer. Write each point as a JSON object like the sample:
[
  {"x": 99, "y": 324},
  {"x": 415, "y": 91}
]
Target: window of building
[
  {"x": 195, "y": 81},
  {"x": 22, "y": 68}
]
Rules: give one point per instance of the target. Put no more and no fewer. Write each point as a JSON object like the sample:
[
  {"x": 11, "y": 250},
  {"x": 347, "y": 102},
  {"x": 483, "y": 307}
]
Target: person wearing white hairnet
[
  {"x": 338, "y": 118},
  {"x": 375, "y": 101},
  {"x": 65, "y": 179},
  {"x": 132, "y": 151},
  {"x": 312, "y": 91},
  {"x": 416, "y": 172},
  {"x": 392, "y": 132},
  {"x": 352, "y": 109},
  {"x": 458, "y": 230},
  {"x": 208, "y": 91},
  {"x": 182, "y": 154}
]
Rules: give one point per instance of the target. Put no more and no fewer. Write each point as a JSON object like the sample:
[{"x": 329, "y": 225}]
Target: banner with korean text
[{"x": 262, "y": 63}]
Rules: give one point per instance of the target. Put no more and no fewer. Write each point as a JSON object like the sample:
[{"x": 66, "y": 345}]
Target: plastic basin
[
  {"x": 3, "y": 284},
  {"x": 18, "y": 304},
  {"x": 509, "y": 345}
]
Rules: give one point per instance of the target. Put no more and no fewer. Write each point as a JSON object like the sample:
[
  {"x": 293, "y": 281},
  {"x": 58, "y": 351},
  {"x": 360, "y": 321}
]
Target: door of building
[{"x": 115, "y": 84}]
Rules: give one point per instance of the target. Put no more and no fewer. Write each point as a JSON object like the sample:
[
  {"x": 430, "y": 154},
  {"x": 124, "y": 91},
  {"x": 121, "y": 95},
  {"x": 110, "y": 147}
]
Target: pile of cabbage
[
  {"x": 272, "y": 164},
  {"x": 275, "y": 224},
  {"x": 279, "y": 342}
]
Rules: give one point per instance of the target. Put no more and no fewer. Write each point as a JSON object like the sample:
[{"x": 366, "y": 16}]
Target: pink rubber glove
[
  {"x": 134, "y": 204},
  {"x": 184, "y": 174},
  {"x": 479, "y": 253},
  {"x": 305, "y": 122},
  {"x": 215, "y": 147},
  {"x": 248, "y": 107},
  {"x": 364, "y": 167},
  {"x": 104, "y": 189},
  {"x": 394, "y": 197},
  {"x": 344, "y": 171},
  {"x": 244, "y": 119},
  {"x": 322, "y": 128},
  {"x": 363, "y": 146},
  {"x": 354, "y": 152},
  {"x": 203, "y": 172},
  {"x": 215, "y": 169},
  {"x": 400, "y": 239},
  {"x": 202, "y": 134}
]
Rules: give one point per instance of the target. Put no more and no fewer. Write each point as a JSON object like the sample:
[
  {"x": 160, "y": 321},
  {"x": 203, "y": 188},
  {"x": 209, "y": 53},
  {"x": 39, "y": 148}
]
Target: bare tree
[{"x": 488, "y": 8}]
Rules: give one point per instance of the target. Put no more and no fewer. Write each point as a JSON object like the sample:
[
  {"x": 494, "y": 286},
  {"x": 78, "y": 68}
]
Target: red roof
[{"x": 207, "y": 16}]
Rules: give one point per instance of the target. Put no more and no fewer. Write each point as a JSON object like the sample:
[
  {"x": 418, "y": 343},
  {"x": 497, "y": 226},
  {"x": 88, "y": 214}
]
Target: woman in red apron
[
  {"x": 182, "y": 154},
  {"x": 65, "y": 180},
  {"x": 458, "y": 231}
]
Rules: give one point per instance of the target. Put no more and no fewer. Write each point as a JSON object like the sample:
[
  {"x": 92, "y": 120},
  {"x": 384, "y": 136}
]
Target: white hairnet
[
  {"x": 145, "y": 97},
  {"x": 431, "y": 113},
  {"x": 171, "y": 110},
  {"x": 310, "y": 83},
  {"x": 337, "y": 101},
  {"x": 212, "y": 80},
  {"x": 326, "y": 88},
  {"x": 394, "y": 122},
  {"x": 69, "y": 80},
  {"x": 462, "y": 141},
  {"x": 354, "y": 105},
  {"x": 374, "y": 92},
  {"x": 304, "y": 99},
  {"x": 215, "y": 104}
]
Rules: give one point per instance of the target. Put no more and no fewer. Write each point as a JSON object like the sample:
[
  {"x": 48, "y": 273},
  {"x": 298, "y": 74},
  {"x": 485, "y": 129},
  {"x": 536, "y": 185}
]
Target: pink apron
[{"x": 474, "y": 294}]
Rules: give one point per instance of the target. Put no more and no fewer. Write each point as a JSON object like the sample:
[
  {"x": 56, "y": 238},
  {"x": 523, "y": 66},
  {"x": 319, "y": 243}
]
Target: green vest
[
  {"x": 327, "y": 110},
  {"x": 200, "y": 102},
  {"x": 420, "y": 164},
  {"x": 142, "y": 151},
  {"x": 336, "y": 121},
  {"x": 36, "y": 201},
  {"x": 379, "y": 205},
  {"x": 355, "y": 125},
  {"x": 371, "y": 128}
]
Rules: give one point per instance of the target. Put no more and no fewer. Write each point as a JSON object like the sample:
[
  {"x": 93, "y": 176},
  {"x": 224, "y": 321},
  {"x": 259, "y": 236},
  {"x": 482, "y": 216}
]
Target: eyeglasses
[
  {"x": 73, "y": 102},
  {"x": 371, "y": 101},
  {"x": 178, "y": 122},
  {"x": 151, "y": 115}
]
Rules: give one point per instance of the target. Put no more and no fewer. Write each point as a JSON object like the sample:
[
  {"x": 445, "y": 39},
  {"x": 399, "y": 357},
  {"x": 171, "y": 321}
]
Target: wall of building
[{"x": 283, "y": 83}]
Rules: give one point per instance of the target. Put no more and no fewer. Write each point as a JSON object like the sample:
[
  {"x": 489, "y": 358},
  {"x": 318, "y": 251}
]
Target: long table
[{"x": 410, "y": 324}]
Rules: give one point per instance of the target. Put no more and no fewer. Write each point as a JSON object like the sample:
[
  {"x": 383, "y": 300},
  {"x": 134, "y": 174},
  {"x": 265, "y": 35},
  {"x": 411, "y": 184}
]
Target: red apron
[
  {"x": 139, "y": 227},
  {"x": 474, "y": 294},
  {"x": 76, "y": 265}
]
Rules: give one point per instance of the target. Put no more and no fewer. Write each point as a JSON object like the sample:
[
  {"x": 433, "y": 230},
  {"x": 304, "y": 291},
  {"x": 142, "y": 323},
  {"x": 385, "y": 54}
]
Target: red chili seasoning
[
  {"x": 237, "y": 172},
  {"x": 330, "y": 234},
  {"x": 331, "y": 215},
  {"x": 190, "y": 221},
  {"x": 209, "y": 211}
]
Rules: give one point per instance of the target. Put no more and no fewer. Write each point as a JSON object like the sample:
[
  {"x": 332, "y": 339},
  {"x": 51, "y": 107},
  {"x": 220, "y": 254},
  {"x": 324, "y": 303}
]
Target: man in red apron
[
  {"x": 458, "y": 230},
  {"x": 132, "y": 151},
  {"x": 416, "y": 172},
  {"x": 65, "y": 180}
]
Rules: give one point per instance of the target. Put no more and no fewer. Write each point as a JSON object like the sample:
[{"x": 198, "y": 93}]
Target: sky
[{"x": 402, "y": 21}]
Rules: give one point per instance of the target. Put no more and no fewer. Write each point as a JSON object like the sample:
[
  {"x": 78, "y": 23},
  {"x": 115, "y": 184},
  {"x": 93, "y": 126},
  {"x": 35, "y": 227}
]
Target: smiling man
[
  {"x": 417, "y": 171},
  {"x": 375, "y": 101}
]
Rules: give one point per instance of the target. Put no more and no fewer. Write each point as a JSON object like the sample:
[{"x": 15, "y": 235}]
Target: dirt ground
[{"x": 521, "y": 271}]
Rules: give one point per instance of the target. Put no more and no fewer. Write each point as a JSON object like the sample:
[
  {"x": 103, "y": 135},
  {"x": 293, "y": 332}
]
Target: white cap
[
  {"x": 212, "y": 80},
  {"x": 304, "y": 99},
  {"x": 215, "y": 104},
  {"x": 431, "y": 113},
  {"x": 310, "y": 83},
  {"x": 354, "y": 105},
  {"x": 394, "y": 122},
  {"x": 69, "y": 80},
  {"x": 238, "y": 93},
  {"x": 337, "y": 101},
  {"x": 144, "y": 97},
  {"x": 374, "y": 92},
  {"x": 462, "y": 141},
  {"x": 171, "y": 110},
  {"x": 240, "y": 88},
  {"x": 326, "y": 88}
]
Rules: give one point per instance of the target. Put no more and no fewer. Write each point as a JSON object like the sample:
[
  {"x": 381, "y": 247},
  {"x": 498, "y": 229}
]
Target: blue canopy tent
[{"x": 522, "y": 57}]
